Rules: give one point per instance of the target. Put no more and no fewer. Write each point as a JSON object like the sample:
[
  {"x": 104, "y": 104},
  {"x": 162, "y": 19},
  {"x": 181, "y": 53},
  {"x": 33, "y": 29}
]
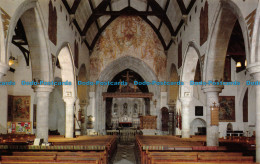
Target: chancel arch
[
  {"x": 127, "y": 102},
  {"x": 111, "y": 71}
]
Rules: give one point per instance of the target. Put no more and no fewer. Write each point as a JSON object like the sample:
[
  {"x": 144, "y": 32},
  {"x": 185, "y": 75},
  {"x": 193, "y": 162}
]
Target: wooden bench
[
  {"x": 35, "y": 162},
  {"x": 171, "y": 157},
  {"x": 29, "y": 158},
  {"x": 73, "y": 159},
  {"x": 230, "y": 158},
  {"x": 192, "y": 158},
  {"x": 61, "y": 156}
]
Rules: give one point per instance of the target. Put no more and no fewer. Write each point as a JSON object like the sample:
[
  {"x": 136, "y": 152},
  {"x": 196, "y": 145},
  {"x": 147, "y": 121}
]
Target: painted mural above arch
[{"x": 128, "y": 36}]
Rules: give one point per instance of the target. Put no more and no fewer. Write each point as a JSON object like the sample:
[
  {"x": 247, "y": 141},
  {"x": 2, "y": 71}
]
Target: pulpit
[{"x": 148, "y": 122}]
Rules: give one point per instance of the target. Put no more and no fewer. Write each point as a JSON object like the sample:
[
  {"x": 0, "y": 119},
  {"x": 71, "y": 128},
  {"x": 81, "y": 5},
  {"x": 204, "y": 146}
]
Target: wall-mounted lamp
[
  {"x": 238, "y": 64},
  {"x": 245, "y": 62},
  {"x": 12, "y": 60}
]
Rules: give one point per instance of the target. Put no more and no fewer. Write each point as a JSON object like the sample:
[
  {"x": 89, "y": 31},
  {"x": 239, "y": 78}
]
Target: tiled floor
[{"x": 125, "y": 154}]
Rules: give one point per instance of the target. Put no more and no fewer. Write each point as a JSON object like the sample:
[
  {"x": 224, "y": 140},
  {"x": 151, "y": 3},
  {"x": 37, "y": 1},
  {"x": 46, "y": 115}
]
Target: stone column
[
  {"x": 83, "y": 113},
  {"x": 185, "y": 112},
  {"x": 69, "y": 114},
  {"x": 3, "y": 69},
  {"x": 212, "y": 97},
  {"x": 42, "y": 114},
  {"x": 254, "y": 70}
]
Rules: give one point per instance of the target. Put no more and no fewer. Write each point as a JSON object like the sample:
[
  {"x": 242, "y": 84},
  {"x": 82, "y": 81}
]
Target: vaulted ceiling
[{"x": 91, "y": 17}]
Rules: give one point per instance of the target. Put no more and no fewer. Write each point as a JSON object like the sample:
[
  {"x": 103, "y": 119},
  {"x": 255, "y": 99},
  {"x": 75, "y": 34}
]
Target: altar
[{"x": 126, "y": 112}]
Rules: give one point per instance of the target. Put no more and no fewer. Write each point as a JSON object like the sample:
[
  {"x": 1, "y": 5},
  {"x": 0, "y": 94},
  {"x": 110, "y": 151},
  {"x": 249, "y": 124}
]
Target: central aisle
[{"x": 125, "y": 154}]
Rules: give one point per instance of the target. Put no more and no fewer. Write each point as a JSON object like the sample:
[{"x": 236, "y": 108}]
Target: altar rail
[{"x": 125, "y": 135}]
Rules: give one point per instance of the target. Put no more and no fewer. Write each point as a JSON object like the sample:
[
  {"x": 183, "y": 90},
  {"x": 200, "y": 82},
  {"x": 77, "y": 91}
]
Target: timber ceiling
[{"x": 91, "y": 17}]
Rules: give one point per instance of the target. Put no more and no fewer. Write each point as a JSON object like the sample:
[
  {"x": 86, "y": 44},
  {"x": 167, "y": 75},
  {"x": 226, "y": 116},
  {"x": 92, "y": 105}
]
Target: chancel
[{"x": 129, "y": 81}]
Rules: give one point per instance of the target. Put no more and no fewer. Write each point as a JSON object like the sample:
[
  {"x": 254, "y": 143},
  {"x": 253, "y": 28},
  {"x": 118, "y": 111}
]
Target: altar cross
[{"x": 128, "y": 77}]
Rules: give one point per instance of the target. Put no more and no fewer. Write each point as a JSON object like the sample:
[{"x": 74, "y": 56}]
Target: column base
[{"x": 185, "y": 134}]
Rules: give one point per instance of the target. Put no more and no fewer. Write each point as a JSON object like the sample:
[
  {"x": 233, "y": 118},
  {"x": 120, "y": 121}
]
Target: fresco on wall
[
  {"x": 5, "y": 19},
  {"x": 128, "y": 36},
  {"x": 227, "y": 108}
]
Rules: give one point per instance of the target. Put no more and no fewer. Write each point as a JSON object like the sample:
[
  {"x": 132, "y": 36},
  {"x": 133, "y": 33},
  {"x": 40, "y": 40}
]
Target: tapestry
[
  {"x": 227, "y": 109},
  {"x": 21, "y": 108},
  {"x": 19, "y": 127}
]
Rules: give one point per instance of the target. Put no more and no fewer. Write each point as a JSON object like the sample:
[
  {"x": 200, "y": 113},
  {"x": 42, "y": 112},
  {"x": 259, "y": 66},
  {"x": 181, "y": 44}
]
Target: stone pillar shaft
[
  {"x": 185, "y": 104},
  {"x": 257, "y": 137},
  {"x": 69, "y": 125},
  {"x": 42, "y": 116},
  {"x": 254, "y": 70},
  {"x": 212, "y": 97}
]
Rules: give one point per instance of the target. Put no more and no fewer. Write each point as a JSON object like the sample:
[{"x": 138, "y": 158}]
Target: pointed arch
[
  {"x": 34, "y": 26},
  {"x": 223, "y": 22}
]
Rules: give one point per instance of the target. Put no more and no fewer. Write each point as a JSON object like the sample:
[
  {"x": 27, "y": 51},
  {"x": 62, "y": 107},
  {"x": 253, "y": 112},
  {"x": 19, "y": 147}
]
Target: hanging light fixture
[
  {"x": 238, "y": 64},
  {"x": 245, "y": 62}
]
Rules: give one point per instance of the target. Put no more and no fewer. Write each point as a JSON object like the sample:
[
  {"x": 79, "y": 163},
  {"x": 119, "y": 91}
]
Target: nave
[{"x": 81, "y": 42}]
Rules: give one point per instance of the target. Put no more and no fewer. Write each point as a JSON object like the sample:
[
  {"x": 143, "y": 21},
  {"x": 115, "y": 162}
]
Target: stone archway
[
  {"x": 223, "y": 22},
  {"x": 35, "y": 30},
  {"x": 111, "y": 71},
  {"x": 186, "y": 94},
  {"x": 198, "y": 126},
  {"x": 69, "y": 91},
  {"x": 83, "y": 98},
  {"x": 173, "y": 90},
  {"x": 254, "y": 69},
  {"x": 192, "y": 56}
]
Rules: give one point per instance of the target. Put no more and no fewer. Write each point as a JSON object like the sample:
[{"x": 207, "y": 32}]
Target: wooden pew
[
  {"x": 172, "y": 157},
  {"x": 230, "y": 158},
  {"x": 35, "y": 162},
  {"x": 60, "y": 155},
  {"x": 50, "y": 158},
  {"x": 73, "y": 159}
]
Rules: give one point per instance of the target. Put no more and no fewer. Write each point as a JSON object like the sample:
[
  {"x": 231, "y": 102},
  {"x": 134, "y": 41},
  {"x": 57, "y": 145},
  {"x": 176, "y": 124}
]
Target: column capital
[
  {"x": 42, "y": 88},
  {"x": 254, "y": 70},
  {"x": 3, "y": 69},
  {"x": 185, "y": 100},
  {"x": 69, "y": 100},
  {"x": 212, "y": 88}
]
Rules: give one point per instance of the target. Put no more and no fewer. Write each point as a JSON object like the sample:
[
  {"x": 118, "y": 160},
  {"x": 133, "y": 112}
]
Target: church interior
[{"x": 129, "y": 81}]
